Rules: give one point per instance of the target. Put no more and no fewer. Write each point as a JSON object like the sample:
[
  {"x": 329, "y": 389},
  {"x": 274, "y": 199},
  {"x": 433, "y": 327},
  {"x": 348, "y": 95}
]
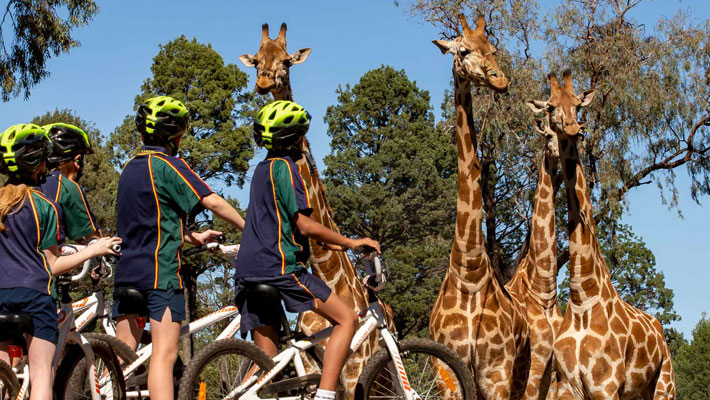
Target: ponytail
[{"x": 10, "y": 197}]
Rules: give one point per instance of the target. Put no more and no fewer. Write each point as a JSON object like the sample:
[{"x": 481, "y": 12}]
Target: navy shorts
[
  {"x": 40, "y": 306},
  {"x": 298, "y": 290},
  {"x": 157, "y": 300}
]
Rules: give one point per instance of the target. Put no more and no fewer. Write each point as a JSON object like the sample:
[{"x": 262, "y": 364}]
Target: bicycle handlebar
[{"x": 86, "y": 266}]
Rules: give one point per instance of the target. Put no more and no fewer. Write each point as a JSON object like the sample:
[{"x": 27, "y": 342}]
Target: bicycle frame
[
  {"x": 93, "y": 306},
  {"x": 370, "y": 318}
]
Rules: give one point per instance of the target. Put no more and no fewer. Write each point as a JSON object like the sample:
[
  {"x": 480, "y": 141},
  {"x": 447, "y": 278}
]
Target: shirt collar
[{"x": 158, "y": 149}]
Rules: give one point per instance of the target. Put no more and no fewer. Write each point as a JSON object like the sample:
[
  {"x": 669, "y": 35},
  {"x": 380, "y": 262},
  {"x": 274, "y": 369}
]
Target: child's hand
[
  {"x": 366, "y": 242},
  {"x": 104, "y": 246},
  {"x": 200, "y": 238}
]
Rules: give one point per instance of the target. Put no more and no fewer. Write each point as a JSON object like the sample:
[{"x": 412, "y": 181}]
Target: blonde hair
[{"x": 10, "y": 197}]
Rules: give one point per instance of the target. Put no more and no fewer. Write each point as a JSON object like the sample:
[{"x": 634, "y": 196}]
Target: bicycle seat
[
  {"x": 267, "y": 299},
  {"x": 130, "y": 300},
  {"x": 15, "y": 324}
]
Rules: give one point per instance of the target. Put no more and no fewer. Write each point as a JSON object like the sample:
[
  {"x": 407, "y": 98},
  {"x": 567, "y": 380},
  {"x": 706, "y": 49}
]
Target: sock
[{"x": 324, "y": 395}]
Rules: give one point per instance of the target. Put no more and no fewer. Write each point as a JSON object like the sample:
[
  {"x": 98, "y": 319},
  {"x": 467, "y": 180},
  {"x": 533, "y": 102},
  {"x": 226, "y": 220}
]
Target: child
[
  {"x": 70, "y": 145},
  {"x": 275, "y": 246},
  {"x": 156, "y": 192},
  {"x": 29, "y": 231}
]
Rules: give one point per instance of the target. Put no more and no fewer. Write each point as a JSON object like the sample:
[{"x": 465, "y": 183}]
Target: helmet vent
[
  {"x": 302, "y": 120},
  {"x": 288, "y": 119},
  {"x": 285, "y": 105},
  {"x": 273, "y": 115},
  {"x": 161, "y": 102}
]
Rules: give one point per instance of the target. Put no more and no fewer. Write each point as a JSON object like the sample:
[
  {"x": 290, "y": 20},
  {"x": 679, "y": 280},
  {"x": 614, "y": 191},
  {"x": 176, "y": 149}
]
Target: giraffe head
[
  {"x": 562, "y": 106},
  {"x": 272, "y": 63},
  {"x": 473, "y": 56}
]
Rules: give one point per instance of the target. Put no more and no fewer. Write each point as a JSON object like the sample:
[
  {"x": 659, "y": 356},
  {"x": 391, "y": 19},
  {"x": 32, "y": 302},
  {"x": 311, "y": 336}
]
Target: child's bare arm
[
  {"x": 64, "y": 264},
  {"x": 221, "y": 208},
  {"x": 315, "y": 230}
]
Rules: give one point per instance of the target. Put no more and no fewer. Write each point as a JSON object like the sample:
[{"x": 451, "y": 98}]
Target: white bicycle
[
  {"x": 410, "y": 369},
  {"x": 134, "y": 363},
  {"x": 78, "y": 359}
]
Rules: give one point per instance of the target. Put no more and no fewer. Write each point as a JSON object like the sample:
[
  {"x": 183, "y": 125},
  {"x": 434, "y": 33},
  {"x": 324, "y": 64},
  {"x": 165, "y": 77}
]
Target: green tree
[
  {"x": 100, "y": 179},
  {"x": 41, "y": 30},
  {"x": 218, "y": 143},
  {"x": 391, "y": 175},
  {"x": 692, "y": 365}
]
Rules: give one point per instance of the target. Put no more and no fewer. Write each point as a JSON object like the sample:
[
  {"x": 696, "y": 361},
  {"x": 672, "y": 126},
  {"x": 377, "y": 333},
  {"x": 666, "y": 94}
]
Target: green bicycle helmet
[
  {"x": 279, "y": 125},
  {"x": 67, "y": 141},
  {"x": 162, "y": 118},
  {"x": 23, "y": 149}
]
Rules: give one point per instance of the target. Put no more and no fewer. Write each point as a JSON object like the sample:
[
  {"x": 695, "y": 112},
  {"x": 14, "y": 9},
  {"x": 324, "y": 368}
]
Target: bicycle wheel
[
  {"x": 138, "y": 380},
  {"x": 9, "y": 385},
  {"x": 72, "y": 380},
  {"x": 434, "y": 372},
  {"x": 220, "y": 367}
]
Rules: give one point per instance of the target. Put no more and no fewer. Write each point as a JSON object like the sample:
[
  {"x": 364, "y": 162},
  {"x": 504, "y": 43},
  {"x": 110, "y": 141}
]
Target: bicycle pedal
[{"x": 284, "y": 385}]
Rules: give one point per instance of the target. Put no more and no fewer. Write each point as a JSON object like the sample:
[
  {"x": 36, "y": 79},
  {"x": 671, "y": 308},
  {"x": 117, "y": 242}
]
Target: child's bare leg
[
  {"x": 41, "y": 353},
  {"x": 128, "y": 330},
  {"x": 166, "y": 336},
  {"x": 344, "y": 322}
]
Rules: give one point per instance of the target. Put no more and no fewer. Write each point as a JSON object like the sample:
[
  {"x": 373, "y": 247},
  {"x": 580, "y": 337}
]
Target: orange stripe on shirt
[
  {"x": 181, "y": 176},
  {"x": 39, "y": 239},
  {"x": 157, "y": 204},
  {"x": 278, "y": 217},
  {"x": 59, "y": 189},
  {"x": 315, "y": 303},
  {"x": 86, "y": 207},
  {"x": 56, "y": 212}
]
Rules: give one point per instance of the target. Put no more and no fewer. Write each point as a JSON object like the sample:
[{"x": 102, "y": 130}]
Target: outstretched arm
[
  {"x": 315, "y": 230},
  {"x": 221, "y": 208},
  {"x": 64, "y": 264}
]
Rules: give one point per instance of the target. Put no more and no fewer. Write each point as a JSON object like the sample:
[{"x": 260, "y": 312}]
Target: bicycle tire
[
  {"x": 376, "y": 380},
  {"x": 71, "y": 381},
  {"x": 10, "y": 385},
  {"x": 138, "y": 380},
  {"x": 195, "y": 374}
]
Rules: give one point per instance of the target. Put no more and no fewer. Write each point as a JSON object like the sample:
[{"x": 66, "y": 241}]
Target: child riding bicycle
[
  {"x": 29, "y": 233},
  {"x": 156, "y": 192},
  {"x": 275, "y": 247}
]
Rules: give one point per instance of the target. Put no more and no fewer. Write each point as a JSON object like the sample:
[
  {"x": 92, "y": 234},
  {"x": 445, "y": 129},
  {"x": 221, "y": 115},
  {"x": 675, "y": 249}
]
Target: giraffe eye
[{"x": 464, "y": 51}]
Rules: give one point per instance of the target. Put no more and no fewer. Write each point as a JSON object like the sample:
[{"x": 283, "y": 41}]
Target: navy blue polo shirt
[
  {"x": 29, "y": 230},
  {"x": 271, "y": 243},
  {"x": 156, "y": 192},
  {"x": 77, "y": 219}
]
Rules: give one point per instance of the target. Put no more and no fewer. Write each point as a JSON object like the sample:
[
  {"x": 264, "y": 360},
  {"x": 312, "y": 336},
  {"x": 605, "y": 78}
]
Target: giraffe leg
[
  {"x": 538, "y": 378},
  {"x": 564, "y": 388},
  {"x": 665, "y": 384}
]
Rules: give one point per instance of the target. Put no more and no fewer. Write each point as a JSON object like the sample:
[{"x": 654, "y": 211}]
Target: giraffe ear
[
  {"x": 537, "y": 106},
  {"x": 300, "y": 56},
  {"x": 247, "y": 59},
  {"x": 443, "y": 45},
  {"x": 586, "y": 97}
]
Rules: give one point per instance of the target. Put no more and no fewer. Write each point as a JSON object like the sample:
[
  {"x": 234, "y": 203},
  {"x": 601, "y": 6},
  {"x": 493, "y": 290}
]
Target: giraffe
[
  {"x": 534, "y": 284},
  {"x": 473, "y": 314},
  {"x": 272, "y": 63},
  {"x": 605, "y": 348}
]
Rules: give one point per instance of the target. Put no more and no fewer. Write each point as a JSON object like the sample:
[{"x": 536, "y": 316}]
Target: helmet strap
[{"x": 80, "y": 170}]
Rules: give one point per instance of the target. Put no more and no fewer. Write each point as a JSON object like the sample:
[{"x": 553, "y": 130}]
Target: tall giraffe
[
  {"x": 473, "y": 315},
  {"x": 534, "y": 284},
  {"x": 272, "y": 63},
  {"x": 605, "y": 349}
]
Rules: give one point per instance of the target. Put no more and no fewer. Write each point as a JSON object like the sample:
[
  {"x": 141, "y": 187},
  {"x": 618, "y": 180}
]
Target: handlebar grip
[
  {"x": 364, "y": 249},
  {"x": 194, "y": 250}
]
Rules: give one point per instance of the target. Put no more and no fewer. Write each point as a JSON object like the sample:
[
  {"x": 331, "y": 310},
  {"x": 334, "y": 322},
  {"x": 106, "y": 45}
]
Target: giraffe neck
[
  {"x": 586, "y": 273},
  {"x": 468, "y": 250},
  {"x": 542, "y": 270}
]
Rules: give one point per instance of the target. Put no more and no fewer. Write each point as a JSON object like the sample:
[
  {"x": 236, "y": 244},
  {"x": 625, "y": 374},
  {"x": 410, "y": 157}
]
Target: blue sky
[{"x": 100, "y": 79}]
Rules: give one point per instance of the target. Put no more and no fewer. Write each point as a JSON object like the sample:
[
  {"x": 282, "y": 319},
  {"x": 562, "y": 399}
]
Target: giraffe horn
[
  {"x": 568, "y": 81},
  {"x": 464, "y": 24},
  {"x": 480, "y": 23},
  {"x": 554, "y": 84},
  {"x": 264, "y": 33},
  {"x": 282, "y": 34}
]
